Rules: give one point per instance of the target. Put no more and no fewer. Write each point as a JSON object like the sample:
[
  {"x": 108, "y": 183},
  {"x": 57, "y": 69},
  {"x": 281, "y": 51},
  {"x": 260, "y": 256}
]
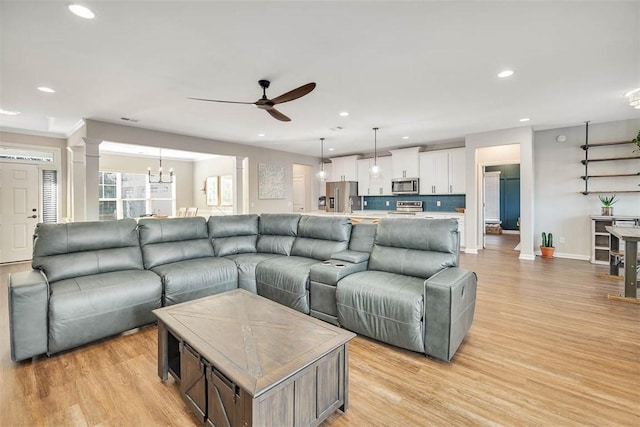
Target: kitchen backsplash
[{"x": 448, "y": 203}]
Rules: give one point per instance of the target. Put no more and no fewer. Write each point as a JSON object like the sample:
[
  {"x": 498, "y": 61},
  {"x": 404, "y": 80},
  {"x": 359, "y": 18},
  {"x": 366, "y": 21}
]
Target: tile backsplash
[{"x": 448, "y": 202}]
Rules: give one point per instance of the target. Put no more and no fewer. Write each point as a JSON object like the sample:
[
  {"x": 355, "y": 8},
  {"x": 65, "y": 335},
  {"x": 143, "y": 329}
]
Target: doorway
[
  {"x": 19, "y": 212},
  {"x": 501, "y": 185},
  {"x": 301, "y": 186}
]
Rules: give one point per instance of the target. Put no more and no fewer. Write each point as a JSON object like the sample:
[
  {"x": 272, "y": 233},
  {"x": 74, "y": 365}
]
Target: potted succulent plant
[
  {"x": 607, "y": 204},
  {"x": 546, "y": 247},
  {"x": 636, "y": 141}
]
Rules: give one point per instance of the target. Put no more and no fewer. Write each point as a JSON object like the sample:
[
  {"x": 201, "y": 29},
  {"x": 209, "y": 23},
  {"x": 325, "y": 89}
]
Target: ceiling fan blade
[
  {"x": 278, "y": 115},
  {"x": 294, "y": 94},
  {"x": 226, "y": 102}
]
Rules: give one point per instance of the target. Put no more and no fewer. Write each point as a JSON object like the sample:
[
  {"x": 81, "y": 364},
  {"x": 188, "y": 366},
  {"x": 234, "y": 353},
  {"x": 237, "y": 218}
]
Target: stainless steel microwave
[{"x": 405, "y": 185}]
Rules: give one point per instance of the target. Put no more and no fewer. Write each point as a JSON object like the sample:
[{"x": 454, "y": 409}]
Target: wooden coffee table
[{"x": 241, "y": 359}]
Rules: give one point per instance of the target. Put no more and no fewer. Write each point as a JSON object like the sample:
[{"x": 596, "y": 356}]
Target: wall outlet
[
  {"x": 387, "y": 203},
  {"x": 365, "y": 203},
  {"x": 437, "y": 202},
  {"x": 561, "y": 240}
]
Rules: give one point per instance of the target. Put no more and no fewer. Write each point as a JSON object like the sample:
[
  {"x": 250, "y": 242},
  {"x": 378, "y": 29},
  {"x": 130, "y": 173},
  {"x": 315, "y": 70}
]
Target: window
[
  {"x": 129, "y": 195},
  {"x": 49, "y": 196}
]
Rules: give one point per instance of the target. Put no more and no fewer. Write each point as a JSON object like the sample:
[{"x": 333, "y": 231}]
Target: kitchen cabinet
[
  {"x": 380, "y": 186},
  {"x": 344, "y": 168},
  {"x": 405, "y": 162},
  {"x": 442, "y": 171}
]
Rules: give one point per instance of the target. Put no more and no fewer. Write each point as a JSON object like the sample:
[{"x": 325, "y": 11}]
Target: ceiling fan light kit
[
  {"x": 267, "y": 104},
  {"x": 634, "y": 98}
]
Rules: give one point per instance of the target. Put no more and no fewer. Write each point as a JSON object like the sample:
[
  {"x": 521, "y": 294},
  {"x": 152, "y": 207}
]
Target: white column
[
  {"x": 92, "y": 167},
  {"x": 76, "y": 183},
  {"x": 238, "y": 187}
]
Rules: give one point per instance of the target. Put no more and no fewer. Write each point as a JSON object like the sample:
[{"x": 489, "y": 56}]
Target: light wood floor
[{"x": 546, "y": 348}]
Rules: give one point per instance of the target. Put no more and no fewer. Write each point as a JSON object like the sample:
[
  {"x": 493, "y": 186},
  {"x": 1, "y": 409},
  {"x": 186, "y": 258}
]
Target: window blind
[{"x": 49, "y": 196}]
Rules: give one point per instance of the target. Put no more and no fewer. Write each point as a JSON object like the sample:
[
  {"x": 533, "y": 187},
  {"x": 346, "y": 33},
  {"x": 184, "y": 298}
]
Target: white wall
[
  {"x": 218, "y": 166},
  {"x": 183, "y": 171},
  {"x": 256, "y": 155},
  {"x": 560, "y": 207}
]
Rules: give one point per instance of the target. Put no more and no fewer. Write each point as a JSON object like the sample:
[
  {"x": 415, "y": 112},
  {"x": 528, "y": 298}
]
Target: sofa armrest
[
  {"x": 449, "y": 305},
  {"x": 354, "y": 257},
  {"x": 28, "y": 310}
]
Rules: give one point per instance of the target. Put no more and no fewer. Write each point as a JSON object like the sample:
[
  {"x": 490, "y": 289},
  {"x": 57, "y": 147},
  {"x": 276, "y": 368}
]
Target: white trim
[
  {"x": 510, "y": 232},
  {"x": 569, "y": 256},
  {"x": 526, "y": 257},
  {"x": 471, "y": 251}
]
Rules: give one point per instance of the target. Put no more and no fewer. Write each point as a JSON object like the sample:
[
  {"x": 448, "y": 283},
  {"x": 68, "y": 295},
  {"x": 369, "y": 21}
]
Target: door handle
[{"x": 33, "y": 216}]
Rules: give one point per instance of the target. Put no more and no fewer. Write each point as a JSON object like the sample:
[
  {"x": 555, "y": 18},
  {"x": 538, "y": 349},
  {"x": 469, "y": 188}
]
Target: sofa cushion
[
  {"x": 362, "y": 236},
  {"x": 320, "y": 237},
  {"x": 87, "y": 308},
  {"x": 285, "y": 280},
  {"x": 196, "y": 278},
  {"x": 171, "y": 240},
  {"x": 277, "y": 233},
  {"x": 63, "y": 251},
  {"x": 233, "y": 234},
  {"x": 385, "y": 306},
  {"x": 415, "y": 247},
  {"x": 247, "y": 264}
]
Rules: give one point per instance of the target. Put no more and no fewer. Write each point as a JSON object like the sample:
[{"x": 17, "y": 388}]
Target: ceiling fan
[{"x": 267, "y": 104}]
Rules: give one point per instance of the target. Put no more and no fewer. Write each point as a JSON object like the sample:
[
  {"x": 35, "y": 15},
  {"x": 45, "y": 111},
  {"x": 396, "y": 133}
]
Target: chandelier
[{"x": 160, "y": 177}]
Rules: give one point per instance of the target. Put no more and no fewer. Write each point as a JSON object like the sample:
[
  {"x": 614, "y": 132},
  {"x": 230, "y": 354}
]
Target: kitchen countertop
[{"x": 385, "y": 214}]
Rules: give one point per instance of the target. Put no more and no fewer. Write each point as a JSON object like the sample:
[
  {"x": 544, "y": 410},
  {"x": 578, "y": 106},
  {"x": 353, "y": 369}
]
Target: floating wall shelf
[{"x": 586, "y": 146}]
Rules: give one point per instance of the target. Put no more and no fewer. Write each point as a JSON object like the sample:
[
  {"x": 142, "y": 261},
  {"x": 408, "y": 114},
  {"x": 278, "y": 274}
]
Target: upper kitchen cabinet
[
  {"x": 442, "y": 172},
  {"x": 406, "y": 163},
  {"x": 457, "y": 168},
  {"x": 344, "y": 168},
  {"x": 379, "y": 186}
]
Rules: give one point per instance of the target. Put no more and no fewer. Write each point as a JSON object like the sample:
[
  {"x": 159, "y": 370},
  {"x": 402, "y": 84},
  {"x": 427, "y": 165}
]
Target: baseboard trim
[
  {"x": 510, "y": 232},
  {"x": 568, "y": 256},
  {"x": 471, "y": 251},
  {"x": 527, "y": 257}
]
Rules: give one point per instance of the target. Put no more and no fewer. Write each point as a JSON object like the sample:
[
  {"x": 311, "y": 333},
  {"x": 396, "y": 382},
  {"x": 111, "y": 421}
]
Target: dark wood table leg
[
  {"x": 630, "y": 266},
  {"x": 345, "y": 405},
  {"x": 163, "y": 351},
  {"x": 614, "y": 258}
]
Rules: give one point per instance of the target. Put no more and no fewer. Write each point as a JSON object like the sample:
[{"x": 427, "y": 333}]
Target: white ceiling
[{"x": 421, "y": 69}]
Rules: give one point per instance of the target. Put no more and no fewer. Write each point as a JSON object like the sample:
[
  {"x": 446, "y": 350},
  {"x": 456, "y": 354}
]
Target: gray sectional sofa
[{"x": 397, "y": 282}]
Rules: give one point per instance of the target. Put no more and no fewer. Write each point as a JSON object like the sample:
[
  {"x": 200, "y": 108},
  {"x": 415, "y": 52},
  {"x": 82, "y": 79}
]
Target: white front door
[
  {"x": 19, "y": 210},
  {"x": 299, "y": 194}
]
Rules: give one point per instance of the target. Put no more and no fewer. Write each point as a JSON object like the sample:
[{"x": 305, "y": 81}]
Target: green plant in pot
[
  {"x": 607, "y": 204},
  {"x": 636, "y": 141},
  {"x": 546, "y": 247}
]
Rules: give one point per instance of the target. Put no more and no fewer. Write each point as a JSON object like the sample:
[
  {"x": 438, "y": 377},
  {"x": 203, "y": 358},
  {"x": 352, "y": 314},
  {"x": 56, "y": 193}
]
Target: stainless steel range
[{"x": 407, "y": 207}]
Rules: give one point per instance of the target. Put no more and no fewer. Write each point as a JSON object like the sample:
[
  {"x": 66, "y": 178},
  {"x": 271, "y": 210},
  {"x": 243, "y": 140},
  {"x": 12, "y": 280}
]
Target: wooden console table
[{"x": 631, "y": 237}]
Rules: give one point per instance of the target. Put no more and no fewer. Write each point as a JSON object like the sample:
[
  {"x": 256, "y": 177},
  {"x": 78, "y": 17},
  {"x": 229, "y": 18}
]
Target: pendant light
[
  {"x": 322, "y": 175},
  {"x": 160, "y": 178},
  {"x": 374, "y": 170}
]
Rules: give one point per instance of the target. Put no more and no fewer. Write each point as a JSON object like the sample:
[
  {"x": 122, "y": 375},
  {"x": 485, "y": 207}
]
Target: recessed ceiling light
[
  {"x": 344, "y": 114},
  {"x": 405, "y": 137},
  {"x": 46, "y": 89},
  {"x": 331, "y": 149},
  {"x": 81, "y": 11},
  {"x": 261, "y": 134},
  {"x": 505, "y": 73},
  {"x": 8, "y": 112},
  {"x": 525, "y": 119}
]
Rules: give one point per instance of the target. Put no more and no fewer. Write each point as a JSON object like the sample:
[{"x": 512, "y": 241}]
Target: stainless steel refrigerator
[{"x": 342, "y": 196}]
